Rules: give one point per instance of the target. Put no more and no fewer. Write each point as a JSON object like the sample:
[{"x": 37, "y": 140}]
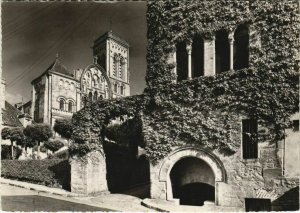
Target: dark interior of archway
[
  {"x": 222, "y": 51},
  {"x": 195, "y": 194},
  {"x": 241, "y": 47},
  {"x": 182, "y": 61},
  {"x": 192, "y": 181},
  {"x": 197, "y": 57}
]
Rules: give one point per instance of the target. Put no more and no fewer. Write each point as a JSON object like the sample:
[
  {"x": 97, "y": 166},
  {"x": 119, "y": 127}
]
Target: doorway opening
[{"x": 193, "y": 181}]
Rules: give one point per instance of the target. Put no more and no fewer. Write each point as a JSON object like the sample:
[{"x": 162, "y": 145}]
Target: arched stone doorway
[
  {"x": 193, "y": 181},
  {"x": 161, "y": 183}
]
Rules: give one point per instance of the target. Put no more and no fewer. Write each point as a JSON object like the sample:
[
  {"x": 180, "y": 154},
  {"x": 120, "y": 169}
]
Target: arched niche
[{"x": 192, "y": 152}]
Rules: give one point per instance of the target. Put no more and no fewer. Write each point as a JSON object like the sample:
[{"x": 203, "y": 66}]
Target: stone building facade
[
  {"x": 58, "y": 92},
  {"x": 259, "y": 175},
  {"x": 197, "y": 60}
]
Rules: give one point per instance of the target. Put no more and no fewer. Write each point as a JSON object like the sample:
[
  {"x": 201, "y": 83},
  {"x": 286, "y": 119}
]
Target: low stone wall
[{"x": 114, "y": 170}]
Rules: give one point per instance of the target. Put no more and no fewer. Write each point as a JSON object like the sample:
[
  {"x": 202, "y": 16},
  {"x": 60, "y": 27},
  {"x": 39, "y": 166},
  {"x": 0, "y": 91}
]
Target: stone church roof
[
  {"x": 10, "y": 116},
  {"x": 57, "y": 66}
]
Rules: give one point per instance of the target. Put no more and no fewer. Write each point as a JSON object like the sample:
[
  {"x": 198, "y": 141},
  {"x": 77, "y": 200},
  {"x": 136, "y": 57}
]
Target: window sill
[{"x": 252, "y": 160}]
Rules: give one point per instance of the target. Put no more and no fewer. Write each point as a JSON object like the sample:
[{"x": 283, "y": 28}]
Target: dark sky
[{"x": 33, "y": 32}]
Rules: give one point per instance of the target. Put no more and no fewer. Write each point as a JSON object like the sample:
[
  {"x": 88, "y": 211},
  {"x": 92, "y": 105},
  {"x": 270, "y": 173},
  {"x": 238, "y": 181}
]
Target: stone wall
[
  {"x": 88, "y": 174},
  {"x": 63, "y": 87},
  {"x": 246, "y": 178},
  {"x": 209, "y": 57},
  {"x": 292, "y": 150}
]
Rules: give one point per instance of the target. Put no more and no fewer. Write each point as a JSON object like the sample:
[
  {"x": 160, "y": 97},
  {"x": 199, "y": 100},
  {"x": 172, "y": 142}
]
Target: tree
[
  {"x": 14, "y": 134},
  {"x": 54, "y": 145},
  {"x": 5, "y": 133},
  {"x": 64, "y": 127},
  {"x": 6, "y": 152},
  {"x": 38, "y": 133},
  {"x": 29, "y": 143}
]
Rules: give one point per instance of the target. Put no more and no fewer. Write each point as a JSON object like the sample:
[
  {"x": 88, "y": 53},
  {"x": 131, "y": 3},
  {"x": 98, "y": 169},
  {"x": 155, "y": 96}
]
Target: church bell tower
[{"x": 112, "y": 54}]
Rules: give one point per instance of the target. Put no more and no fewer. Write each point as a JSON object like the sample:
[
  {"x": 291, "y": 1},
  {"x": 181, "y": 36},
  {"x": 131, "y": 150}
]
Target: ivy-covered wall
[{"x": 205, "y": 110}]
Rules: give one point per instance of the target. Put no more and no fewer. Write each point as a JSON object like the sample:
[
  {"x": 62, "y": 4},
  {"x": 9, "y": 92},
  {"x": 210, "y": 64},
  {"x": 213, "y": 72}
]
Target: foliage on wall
[
  {"x": 205, "y": 110},
  {"x": 90, "y": 123}
]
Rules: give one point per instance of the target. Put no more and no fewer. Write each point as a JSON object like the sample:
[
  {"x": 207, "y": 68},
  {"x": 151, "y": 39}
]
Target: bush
[
  {"x": 42, "y": 148},
  {"x": 6, "y": 152},
  {"x": 48, "y": 172},
  {"x": 53, "y": 145}
]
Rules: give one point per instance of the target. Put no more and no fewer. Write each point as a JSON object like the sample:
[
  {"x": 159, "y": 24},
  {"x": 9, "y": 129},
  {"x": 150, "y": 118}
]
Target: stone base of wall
[{"x": 88, "y": 174}]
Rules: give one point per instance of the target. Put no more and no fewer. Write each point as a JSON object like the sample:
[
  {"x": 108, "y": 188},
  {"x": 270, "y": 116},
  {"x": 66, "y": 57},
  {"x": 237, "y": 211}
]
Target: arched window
[
  {"x": 100, "y": 97},
  {"x": 95, "y": 96},
  {"x": 122, "y": 68},
  {"x": 61, "y": 83},
  {"x": 115, "y": 65},
  {"x": 93, "y": 83},
  {"x": 241, "y": 47},
  {"x": 182, "y": 61},
  {"x": 122, "y": 90},
  {"x": 222, "y": 51},
  {"x": 90, "y": 96},
  {"x": 70, "y": 106},
  {"x": 84, "y": 101},
  {"x": 61, "y": 104},
  {"x": 197, "y": 57},
  {"x": 116, "y": 88}
]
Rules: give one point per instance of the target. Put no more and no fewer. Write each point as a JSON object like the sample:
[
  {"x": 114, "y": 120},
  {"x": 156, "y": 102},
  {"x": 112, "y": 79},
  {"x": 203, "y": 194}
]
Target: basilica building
[{"x": 58, "y": 92}]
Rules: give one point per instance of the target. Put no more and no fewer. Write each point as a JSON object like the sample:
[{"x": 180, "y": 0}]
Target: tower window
[
  {"x": 95, "y": 96},
  {"x": 70, "y": 106},
  {"x": 182, "y": 61},
  {"x": 115, "y": 65},
  {"x": 61, "y": 104},
  {"x": 249, "y": 139},
  {"x": 122, "y": 68},
  {"x": 197, "y": 57},
  {"x": 116, "y": 88},
  {"x": 241, "y": 47},
  {"x": 84, "y": 101},
  {"x": 222, "y": 51},
  {"x": 122, "y": 90},
  {"x": 90, "y": 96}
]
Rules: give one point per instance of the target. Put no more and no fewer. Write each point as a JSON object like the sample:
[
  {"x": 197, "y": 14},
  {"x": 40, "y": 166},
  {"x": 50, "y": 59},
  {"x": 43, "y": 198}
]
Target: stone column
[
  {"x": 209, "y": 57},
  {"x": 157, "y": 187},
  {"x": 189, "y": 52},
  {"x": 175, "y": 65},
  {"x": 231, "y": 43}
]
